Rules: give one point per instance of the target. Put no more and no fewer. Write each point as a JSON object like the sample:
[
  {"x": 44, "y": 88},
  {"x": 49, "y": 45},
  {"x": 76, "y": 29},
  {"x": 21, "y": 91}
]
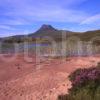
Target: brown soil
[{"x": 45, "y": 80}]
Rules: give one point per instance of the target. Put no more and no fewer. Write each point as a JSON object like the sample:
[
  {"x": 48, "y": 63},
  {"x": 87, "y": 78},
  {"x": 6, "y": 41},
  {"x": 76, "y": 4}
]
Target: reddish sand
[{"x": 21, "y": 80}]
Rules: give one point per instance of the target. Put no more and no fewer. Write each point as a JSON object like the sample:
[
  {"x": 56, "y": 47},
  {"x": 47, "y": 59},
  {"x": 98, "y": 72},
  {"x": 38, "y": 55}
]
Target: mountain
[
  {"x": 48, "y": 30},
  {"x": 44, "y": 31}
]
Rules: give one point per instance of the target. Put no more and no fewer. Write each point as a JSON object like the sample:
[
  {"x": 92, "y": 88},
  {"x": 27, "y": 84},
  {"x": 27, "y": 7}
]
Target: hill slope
[{"x": 48, "y": 30}]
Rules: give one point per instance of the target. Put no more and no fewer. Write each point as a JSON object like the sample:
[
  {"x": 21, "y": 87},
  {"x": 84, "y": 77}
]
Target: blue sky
[{"x": 26, "y": 16}]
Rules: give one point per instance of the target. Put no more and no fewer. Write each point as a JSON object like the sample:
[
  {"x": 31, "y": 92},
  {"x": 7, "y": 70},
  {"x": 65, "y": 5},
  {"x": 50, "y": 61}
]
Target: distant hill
[
  {"x": 55, "y": 34},
  {"x": 90, "y": 34},
  {"x": 48, "y": 30}
]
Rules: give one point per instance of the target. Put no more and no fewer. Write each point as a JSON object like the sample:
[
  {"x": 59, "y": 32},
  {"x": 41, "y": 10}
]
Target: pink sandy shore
[{"x": 21, "y": 80}]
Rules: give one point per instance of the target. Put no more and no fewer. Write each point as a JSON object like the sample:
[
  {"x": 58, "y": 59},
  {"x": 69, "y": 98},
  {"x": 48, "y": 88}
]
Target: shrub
[
  {"x": 98, "y": 64},
  {"x": 82, "y": 77},
  {"x": 85, "y": 85}
]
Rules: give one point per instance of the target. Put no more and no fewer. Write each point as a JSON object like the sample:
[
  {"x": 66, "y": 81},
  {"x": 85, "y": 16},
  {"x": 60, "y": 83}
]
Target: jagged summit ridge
[{"x": 46, "y": 27}]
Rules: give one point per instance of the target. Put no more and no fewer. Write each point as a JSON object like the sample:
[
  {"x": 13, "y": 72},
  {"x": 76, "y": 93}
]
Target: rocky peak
[{"x": 47, "y": 27}]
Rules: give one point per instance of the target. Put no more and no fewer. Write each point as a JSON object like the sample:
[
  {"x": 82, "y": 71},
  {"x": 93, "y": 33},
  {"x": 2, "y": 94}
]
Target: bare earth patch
[{"x": 21, "y": 80}]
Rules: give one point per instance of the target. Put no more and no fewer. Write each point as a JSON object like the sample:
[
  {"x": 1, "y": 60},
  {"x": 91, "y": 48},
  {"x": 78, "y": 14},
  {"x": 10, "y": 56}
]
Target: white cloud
[
  {"x": 92, "y": 20},
  {"x": 55, "y": 15},
  {"x": 6, "y": 27},
  {"x": 29, "y": 11}
]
